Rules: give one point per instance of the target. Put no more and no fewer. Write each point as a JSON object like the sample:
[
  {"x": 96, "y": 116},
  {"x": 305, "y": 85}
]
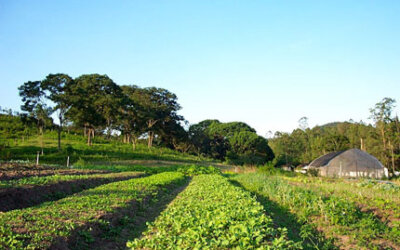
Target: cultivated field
[{"x": 186, "y": 207}]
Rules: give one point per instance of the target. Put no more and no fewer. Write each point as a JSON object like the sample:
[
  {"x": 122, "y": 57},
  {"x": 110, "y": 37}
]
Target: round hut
[{"x": 349, "y": 163}]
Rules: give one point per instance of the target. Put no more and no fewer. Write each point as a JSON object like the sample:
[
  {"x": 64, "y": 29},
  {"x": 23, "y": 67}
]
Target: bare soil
[{"x": 11, "y": 171}]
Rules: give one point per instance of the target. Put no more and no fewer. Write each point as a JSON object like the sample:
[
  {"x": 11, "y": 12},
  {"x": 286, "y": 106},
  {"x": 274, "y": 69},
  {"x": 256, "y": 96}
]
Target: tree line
[
  {"x": 99, "y": 106},
  {"x": 381, "y": 139}
]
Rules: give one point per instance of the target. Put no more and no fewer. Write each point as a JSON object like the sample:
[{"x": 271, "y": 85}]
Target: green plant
[
  {"x": 212, "y": 213},
  {"x": 42, "y": 225}
]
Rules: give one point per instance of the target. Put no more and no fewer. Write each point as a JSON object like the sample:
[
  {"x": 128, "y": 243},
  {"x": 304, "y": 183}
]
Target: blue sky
[{"x": 267, "y": 63}]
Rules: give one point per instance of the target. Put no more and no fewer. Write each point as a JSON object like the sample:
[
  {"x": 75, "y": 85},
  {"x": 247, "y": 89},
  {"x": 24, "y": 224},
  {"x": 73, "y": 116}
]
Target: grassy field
[
  {"x": 115, "y": 198},
  {"x": 101, "y": 152}
]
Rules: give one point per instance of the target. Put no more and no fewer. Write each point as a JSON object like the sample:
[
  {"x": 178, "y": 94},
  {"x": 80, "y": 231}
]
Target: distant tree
[
  {"x": 158, "y": 107},
  {"x": 54, "y": 87},
  {"x": 173, "y": 135},
  {"x": 382, "y": 115},
  {"x": 32, "y": 97},
  {"x": 94, "y": 102},
  {"x": 31, "y": 94},
  {"x": 303, "y": 123},
  {"x": 211, "y": 144},
  {"x": 130, "y": 123},
  {"x": 230, "y": 128},
  {"x": 235, "y": 141},
  {"x": 253, "y": 147}
]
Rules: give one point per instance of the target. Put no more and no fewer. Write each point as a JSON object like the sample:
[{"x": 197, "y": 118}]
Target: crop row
[
  {"x": 337, "y": 216},
  {"x": 53, "y": 223},
  {"x": 381, "y": 197},
  {"x": 211, "y": 213},
  {"x": 186, "y": 169},
  {"x": 47, "y": 180}
]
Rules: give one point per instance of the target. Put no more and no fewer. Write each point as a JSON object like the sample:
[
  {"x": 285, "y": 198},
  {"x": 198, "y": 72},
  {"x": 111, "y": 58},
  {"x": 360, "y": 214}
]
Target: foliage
[
  {"x": 197, "y": 170},
  {"x": 54, "y": 88},
  {"x": 212, "y": 213},
  {"x": 46, "y": 180},
  {"x": 189, "y": 170},
  {"x": 237, "y": 142},
  {"x": 336, "y": 214},
  {"x": 44, "y": 224},
  {"x": 382, "y": 139}
]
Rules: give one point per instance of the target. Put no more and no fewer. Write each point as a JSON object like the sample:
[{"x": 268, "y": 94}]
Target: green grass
[
  {"x": 102, "y": 151},
  {"x": 213, "y": 214},
  {"x": 39, "y": 227}
]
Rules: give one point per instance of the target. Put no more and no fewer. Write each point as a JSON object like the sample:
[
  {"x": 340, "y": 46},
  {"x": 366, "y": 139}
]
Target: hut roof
[
  {"x": 351, "y": 159},
  {"x": 325, "y": 159}
]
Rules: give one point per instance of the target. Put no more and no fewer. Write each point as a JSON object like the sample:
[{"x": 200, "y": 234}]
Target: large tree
[
  {"x": 130, "y": 124},
  {"x": 158, "y": 107},
  {"x": 234, "y": 141},
  {"x": 95, "y": 102},
  {"x": 54, "y": 87}
]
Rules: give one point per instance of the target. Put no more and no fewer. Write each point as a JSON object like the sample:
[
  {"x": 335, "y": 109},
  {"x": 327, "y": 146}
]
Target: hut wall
[{"x": 337, "y": 172}]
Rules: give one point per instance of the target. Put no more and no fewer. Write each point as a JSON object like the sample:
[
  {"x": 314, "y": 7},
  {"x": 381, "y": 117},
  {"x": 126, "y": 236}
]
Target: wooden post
[
  {"x": 37, "y": 159},
  {"x": 68, "y": 162}
]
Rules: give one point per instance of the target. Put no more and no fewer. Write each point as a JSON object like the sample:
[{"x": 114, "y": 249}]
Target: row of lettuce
[
  {"x": 52, "y": 224},
  {"x": 244, "y": 211},
  {"x": 211, "y": 212}
]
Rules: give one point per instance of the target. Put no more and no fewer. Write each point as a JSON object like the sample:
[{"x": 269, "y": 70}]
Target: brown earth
[
  {"x": 12, "y": 171},
  {"x": 22, "y": 197}
]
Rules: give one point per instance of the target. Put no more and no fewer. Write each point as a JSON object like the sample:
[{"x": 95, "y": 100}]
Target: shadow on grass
[
  {"x": 283, "y": 218},
  {"x": 113, "y": 230}
]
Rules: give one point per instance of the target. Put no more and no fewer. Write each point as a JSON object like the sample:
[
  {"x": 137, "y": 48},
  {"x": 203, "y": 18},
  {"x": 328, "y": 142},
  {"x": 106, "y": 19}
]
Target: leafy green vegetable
[
  {"x": 38, "y": 227},
  {"x": 213, "y": 214}
]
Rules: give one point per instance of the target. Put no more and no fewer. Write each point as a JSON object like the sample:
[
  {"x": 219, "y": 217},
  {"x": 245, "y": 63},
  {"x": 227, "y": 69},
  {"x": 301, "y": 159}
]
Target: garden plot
[
  {"x": 337, "y": 217},
  {"x": 30, "y": 191},
  {"x": 79, "y": 220},
  {"x": 214, "y": 214}
]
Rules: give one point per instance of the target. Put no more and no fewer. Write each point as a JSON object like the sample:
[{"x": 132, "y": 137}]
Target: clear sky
[{"x": 267, "y": 63}]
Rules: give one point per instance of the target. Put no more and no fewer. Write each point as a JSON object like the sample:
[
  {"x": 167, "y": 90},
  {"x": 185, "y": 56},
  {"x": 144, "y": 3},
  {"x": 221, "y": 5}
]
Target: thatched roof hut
[{"x": 349, "y": 163}]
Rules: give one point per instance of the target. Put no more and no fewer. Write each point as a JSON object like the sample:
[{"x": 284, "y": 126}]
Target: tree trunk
[
  {"x": 362, "y": 144},
  {"x": 108, "y": 128},
  {"x": 392, "y": 154},
  {"x": 150, "y": 139},
  {"x": 59, "y": 132},
  {"x": 90, "y": 134},
  {"x": 398, "y": 128},
  {"x": 89, "y": 142},
  {"x": 134, "y": 142},
  {"x": 383, "y": 135},
  {"x": 41, "y": 138}
]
